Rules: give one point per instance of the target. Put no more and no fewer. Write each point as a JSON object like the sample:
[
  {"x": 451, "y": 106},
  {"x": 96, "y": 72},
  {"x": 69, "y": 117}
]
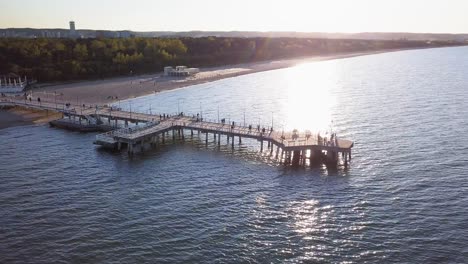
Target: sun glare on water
[{"x": 309, "y": 97}]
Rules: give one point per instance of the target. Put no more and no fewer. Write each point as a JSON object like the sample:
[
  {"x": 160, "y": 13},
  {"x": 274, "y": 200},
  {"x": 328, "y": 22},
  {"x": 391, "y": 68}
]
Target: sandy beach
[{"x": 114, "y": 89}]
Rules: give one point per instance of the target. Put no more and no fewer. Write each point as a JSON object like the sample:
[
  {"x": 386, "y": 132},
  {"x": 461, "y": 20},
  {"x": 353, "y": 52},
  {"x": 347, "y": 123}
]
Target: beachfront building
[
  {"x": 12, "y": 84},
  {"x": 180, "y": 71}
]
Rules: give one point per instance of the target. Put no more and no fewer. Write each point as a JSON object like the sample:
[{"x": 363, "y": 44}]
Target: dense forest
[{"x": 69, "y": 59}]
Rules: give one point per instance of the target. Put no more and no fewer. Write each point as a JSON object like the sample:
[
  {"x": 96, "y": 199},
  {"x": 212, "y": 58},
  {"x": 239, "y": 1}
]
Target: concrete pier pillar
[
  {"x": 182, "y": 134},
  {"x": 214, "y": 135},
  {"x": 287, "y": 157},
  {"x": 191, "y": 133},
  {"x": 268, "y": 147},
  {"x": 240, "y": 140},
  {"x": 119, "y": 145},
  {"x": 219, "y": 139},
  {"x": 141, "y": 145},
  {"x": 332, "y": 157},
  {"x": 227, "y": 138},
  {"x": 296, "y": 157},
  {"x": 136, "y": 123},
  {"x": 271, "y": 149},
  {"x": 232, "y": 141},
  {"x": 206, "y": 138},
  {"x": 261, "y": 145},
  {"x": 350, "y": 154},
  {"x": 126, "y": 123},
  {"x": 277, "y": 152}
]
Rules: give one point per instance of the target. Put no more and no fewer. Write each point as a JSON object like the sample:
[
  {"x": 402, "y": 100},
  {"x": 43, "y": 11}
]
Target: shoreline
[
  {"x": 111, "y": 90},
  {"x": 18, "y": 116},
  {"x": 107, "y": 91}
]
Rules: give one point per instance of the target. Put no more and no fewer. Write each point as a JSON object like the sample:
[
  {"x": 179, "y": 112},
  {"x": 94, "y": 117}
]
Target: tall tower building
[{"x": 72, "y": 29}]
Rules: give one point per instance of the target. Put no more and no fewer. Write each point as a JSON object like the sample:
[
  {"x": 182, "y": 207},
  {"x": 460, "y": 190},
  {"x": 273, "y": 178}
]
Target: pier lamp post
[
  {"x": 201, "y": 111},
  {"x": 178, "y": 107},
  {"x": 130, "y": 109},
  {"x": 244, "y": 116},
  {"x": 271, "y": 119}
]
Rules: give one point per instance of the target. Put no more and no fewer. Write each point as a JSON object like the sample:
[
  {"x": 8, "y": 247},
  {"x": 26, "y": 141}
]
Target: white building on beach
[
  {"x": 180, "y": 71},
  {"x": 12, "y": 84}
]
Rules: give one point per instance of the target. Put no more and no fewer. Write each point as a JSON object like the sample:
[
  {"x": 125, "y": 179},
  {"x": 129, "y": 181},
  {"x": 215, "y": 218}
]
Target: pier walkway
[{"x": 148, "y": 129}]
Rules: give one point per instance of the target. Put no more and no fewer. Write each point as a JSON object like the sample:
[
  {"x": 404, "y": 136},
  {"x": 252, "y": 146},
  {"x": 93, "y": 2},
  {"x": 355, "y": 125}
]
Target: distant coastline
[{"x": 120, "y": 88}]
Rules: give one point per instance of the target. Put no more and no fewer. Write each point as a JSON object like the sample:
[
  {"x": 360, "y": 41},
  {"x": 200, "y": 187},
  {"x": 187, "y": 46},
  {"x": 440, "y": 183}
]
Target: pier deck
[{"x": 149, "y": 128}]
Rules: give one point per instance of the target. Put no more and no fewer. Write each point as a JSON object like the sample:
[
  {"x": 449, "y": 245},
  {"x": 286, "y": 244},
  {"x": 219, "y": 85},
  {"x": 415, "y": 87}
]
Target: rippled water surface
[{"x": 404, "y": 197}]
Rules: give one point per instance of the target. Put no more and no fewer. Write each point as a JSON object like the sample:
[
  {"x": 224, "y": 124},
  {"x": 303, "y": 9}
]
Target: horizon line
[{"x": 250, "y": 31}]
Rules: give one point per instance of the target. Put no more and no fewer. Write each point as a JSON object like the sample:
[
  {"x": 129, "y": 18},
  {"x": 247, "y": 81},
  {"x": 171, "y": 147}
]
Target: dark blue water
[{"x": 404, "y": 197}]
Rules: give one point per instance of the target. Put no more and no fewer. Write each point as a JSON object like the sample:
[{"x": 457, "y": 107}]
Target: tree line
[{"x": 75, "y": 59}]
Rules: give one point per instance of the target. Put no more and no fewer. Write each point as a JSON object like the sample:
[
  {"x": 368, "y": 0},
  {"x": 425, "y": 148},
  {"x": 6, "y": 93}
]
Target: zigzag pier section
[{"x": 137, "y": 132}]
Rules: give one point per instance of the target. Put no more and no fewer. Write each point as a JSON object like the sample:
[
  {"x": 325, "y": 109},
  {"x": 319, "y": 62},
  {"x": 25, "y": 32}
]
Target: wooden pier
[{"x": 136, "y": 132}]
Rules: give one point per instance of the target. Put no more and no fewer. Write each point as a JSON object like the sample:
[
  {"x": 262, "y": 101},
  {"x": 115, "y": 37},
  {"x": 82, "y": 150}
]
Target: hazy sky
[{"x": 450, "y": 16}]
